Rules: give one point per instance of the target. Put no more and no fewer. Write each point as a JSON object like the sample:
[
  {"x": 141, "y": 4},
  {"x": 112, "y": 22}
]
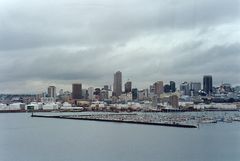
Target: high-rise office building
[
  {"x": 172, "y": 86},
  {"x": 97, "y": 91},
  {"x": 167, "y": 88},
  {"x": 142, "y": 94},
  {"x": 91, "y": 93},
  {"x": 103, "y": 95},
  {"x": 61, "y": 92},
  {"x": 226, "y": 87},
  {"x": 52, "y": 91},
  {"x": 158, "y": 88},
  {"x": 128, "y": 87},
  {"x": 195, "y": 87},
  {"x": 77, "y": 91},
  {"x": 173, "y": 101},
  {"x": 151, "y": 89},
  {"x": 146, "y": 93},
  {"x": 117, "y": 84},
  {"x": 185, "y": 88},
  {"x": 207, "y": 84},
  {"x": 134, "y": 94},
  {"x": 105, "y": 87},
  {"x": 84, "y": 93}
]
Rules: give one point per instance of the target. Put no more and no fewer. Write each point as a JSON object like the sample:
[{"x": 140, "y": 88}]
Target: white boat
[
  {"x": 228, "y": 120},
  {"x": 208, "y": 121},
  {"x": 236, "y": 119}
]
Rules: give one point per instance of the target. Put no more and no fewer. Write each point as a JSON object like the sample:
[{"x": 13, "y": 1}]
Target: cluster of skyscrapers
[
  {"x": 122, "y": 92},
  {"x": 126, "y": 92},
  {"x": 157, "y": 88}
]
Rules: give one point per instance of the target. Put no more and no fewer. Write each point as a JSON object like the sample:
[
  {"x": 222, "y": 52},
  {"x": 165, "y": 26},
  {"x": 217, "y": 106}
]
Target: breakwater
[{"x": 117, "y": 120}]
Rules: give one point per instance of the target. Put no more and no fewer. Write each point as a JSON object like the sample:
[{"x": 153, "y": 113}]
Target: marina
[
  {"x": 183, "y": 120},
  {"x": 118, "y": 120}
]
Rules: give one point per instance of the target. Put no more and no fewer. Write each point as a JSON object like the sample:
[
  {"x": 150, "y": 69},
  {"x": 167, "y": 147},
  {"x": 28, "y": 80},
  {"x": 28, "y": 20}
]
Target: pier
[{"x": 118, "y": 120}]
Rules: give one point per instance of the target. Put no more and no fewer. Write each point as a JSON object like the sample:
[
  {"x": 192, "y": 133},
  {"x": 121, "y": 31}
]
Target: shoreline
[{"x": 163, "y": 111}]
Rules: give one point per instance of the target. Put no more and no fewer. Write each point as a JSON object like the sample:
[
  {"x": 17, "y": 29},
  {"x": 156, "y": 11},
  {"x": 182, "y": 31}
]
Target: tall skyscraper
[
  {"x": 207, "y": 84},
  {"x": 172, "y": 86},
  {"x": 52, "y": 91},
  {"x": 128, "y": 87},
  {"x": 76, "y": 91},
  {"x": 117, "y": 84},
  {"x": 158, "y": 87}
]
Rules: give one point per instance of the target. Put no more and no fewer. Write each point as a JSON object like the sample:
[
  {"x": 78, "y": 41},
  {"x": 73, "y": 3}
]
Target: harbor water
[{"x": 23, "y": 138}]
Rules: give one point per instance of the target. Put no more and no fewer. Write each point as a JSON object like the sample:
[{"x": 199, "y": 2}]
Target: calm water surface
[{"x": 23, "y": 138}]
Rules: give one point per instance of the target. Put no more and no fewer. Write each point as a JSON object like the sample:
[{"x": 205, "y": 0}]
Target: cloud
[{"x": 44, "y": 43}]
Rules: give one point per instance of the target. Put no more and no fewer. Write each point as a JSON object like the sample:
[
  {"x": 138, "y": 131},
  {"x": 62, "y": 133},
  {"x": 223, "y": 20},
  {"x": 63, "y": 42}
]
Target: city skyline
[
  {"x": 46, "y": 43},
  {"x": 68, "y": 87},
  {"x": 117, "y": 76}
]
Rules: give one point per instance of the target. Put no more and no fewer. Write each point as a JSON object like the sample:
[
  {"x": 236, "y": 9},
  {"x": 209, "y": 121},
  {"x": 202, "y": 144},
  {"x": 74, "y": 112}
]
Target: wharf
[
  {"x": 12, "y": 111},
  {"x": 79, "y": 117}
]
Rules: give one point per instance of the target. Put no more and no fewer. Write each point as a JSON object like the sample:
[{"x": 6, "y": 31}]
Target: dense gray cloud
[{"x": 46, "y": 43}]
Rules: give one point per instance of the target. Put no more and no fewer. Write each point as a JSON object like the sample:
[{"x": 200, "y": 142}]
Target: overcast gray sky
[{"x": 49, "y": 42}]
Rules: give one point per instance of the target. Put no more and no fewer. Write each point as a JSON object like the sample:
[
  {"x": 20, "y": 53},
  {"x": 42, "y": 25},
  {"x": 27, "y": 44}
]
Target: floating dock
[{"x": 81, "y": 117}]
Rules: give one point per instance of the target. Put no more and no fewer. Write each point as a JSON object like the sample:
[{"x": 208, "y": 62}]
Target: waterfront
[{"x": 23, "y": 138}]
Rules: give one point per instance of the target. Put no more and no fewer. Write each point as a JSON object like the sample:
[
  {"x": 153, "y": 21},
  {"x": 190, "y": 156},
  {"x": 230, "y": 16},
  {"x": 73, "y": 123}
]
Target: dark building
[
  {"x": 97, "y": 91},
  {"x": 77, "y": 91},
  {"x": 117, "y": 84},
  {"x": 195, "y": 87},
  {"x": 134, "y": 94},
  {"x": 128, "y": 87},
  {"x": 172, "y": 86},
  {"x": 105, "y": 87},
  {"x": 167, "y": 88},
  {"x": 207, "y": 84},
  {"x": 52, "y": 91},
  {"x": 185, "y": 88}
]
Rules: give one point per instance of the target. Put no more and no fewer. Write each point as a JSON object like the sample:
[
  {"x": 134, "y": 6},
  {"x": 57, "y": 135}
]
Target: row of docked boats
[{"x": 220, "y": 119}]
